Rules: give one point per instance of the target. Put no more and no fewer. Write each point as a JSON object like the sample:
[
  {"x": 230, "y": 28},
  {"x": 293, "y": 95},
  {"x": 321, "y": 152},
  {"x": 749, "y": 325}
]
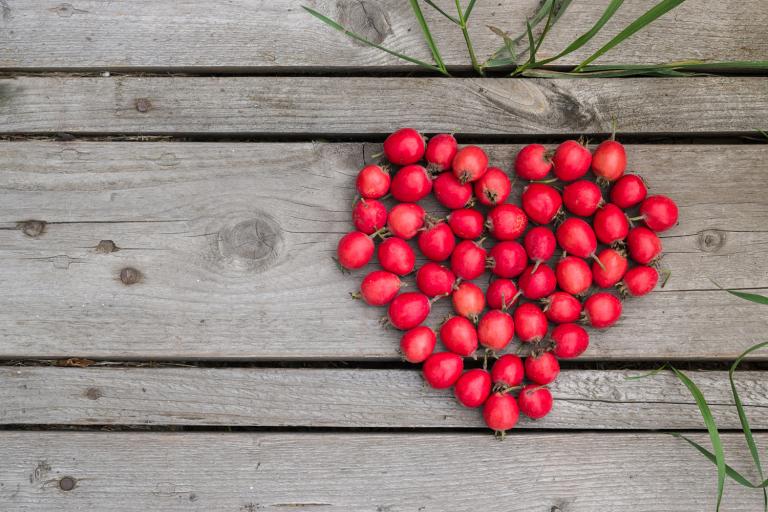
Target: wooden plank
[
  {"x": 277, "y": 397},
  {"x": 92, "y": 34},
  {"x": 376, "y": 105},
  {"x": 372, "y": 472},
  {"x": 234, "y": 244}
]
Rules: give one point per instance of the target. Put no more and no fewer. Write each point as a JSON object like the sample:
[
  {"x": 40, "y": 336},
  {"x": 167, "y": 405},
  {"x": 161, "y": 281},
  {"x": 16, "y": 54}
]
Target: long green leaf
[
  {"x": 743, "y": 417},
  {"x": 428, "y": 35},
  {"x": 331, "y": 23},
  {"x": 469, "y": 9},
  {"x": 588, "y": 35},
  {"x": 714, "y": 435},
  {"x": 441, "y": 11},
  {"x": 753, "y": 297},
  {"x": 608, "y": 73},
  {"x": 649, "y": 374},
  {"x": 732, "y": 473},
  {"x": 655, "y": 12}
]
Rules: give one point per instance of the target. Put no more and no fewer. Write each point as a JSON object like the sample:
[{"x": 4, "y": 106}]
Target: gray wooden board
[
  {"x": 234, "y": 243},
  {"x": 277, "y": 397},
  {"x": 377, "y": 105},
  {"x": 252, "y": 34},
  {"x": 246, "y": 472}
]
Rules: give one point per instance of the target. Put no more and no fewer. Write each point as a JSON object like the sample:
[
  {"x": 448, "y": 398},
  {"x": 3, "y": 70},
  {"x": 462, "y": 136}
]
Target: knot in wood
[
  {"x": 106, "y": 246},
  {"x": 143, "y": 105},
  {"x": 67, "y": 483},
  {"x": 711, "y": 240},
  {"x": 130, "y": 276},
  {"x": 32, "y": 228},
  {"x": 366, "y": 18},
  {"x": 251, "y": 245}
]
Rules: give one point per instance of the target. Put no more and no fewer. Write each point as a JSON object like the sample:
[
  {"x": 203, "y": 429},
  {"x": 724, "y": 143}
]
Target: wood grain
[
  {"x": 317, "y": 106},
  {"x": 585, "y": 472},
  {"x": 279, "y": 397},
  {"x": 279, "y": 35},
  {"x": 233, "y": 246}
]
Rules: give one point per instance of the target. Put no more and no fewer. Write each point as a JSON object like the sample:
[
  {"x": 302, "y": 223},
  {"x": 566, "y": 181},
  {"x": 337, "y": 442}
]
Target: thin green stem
[
  {"x": 463, "y": 24},
  {"x": 428, "y": 37}
]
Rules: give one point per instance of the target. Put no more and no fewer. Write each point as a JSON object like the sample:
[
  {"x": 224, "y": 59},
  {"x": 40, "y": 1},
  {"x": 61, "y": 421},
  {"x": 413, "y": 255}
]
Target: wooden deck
[{"x": 212, "y": 148}]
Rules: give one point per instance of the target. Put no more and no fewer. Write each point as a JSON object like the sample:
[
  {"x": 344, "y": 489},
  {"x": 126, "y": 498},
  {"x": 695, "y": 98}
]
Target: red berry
[
  {"x": 640, "y": 281},
  {"x": 535, "y": 401},
  {"x": 373, "y": 182},
  {"x": 561, "y": 307},
  {"x": 396, "y": 256},
  {"x": 575, "y": 236},
  {"x": 411, "y": 184},
  {"x": 495, "y": 329},
  {"x": 571, "y": 340},
  {"x": 355, "y": 250},
  {"x": 500, "y": 412},
  {"x": 459, "y": 336},
  {"x": 628, "y": 191},
  {"x": 404, "y": 147},
  {"x": 501, "y": 293},
  {"x": 468, "y": 260},
  {"x": 437, "y": 242},
  {"x": 573, "y": 275},
  {"x": 507, "y": 370},
  {"x": 602, "y": 310},
  {"x": 473, "y": 388},
  {"x": 542, "y": 369},
  {"x": 433, "y": 279},
  {"x": 466, "y": 223},
  {"x": 532, "y": 163},
  {"x": 571, "y": 160},
  {"x": 541, "y": 202},
  {"x": 440, "y": 151},
  {"x": 530, "y": 323},
  {"x": 450, "y": 192},
  {"x": 611, "y": 224},
  {"x": 405, "y": 220},
  {"x": 582, "y": 198},
  {"x": 468, "y": 300},
  {"x": 408, "y": 310},
  {"x": 540, "y": 244},
  {"x": 613, "y": 269},
  {"x": 493, "y": 188},
  {"x": 442, "y": 369},
  {"x": 643, "y": 244},
  {"x": 417, "y": 344},
  {"x": 659, "y": 213},
  {"x": 507, "y": 259},
  {"x": 369, "y": 215},
  {"x": 379, "y": 287},
  {"x": 469, "y": 164},
  {"x": 506, "y": 222},
  {"x": 538, "y": 283},
  {"x": 609, "y": 161}
]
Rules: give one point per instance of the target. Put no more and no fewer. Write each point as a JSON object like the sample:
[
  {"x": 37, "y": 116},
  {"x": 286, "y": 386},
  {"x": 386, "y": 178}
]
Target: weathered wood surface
[
  {"x": 246, "y": 472},
  {"x": 277, "y": 397},
  {"x": 279, "y": 35},
  {"x": 234, "y": 245},
  {"x": 375, "y": 105}
]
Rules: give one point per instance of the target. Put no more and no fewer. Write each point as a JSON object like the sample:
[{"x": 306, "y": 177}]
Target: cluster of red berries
[{"x": 597, "y": 240}]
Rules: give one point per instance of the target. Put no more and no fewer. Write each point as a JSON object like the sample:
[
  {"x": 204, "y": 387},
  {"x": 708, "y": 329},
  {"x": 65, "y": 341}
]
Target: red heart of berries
[{"x": 599, "y": 247}]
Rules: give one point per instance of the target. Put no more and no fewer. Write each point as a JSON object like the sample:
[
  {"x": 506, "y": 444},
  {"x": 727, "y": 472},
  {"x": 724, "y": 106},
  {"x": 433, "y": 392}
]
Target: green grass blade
[
  {"x": 732, "y": 473},
  {"x": 651, "y": 15},
  {"x": 531, "y": 45},
  {"x": 428, "y": 35},
  {"x": 331, "y": 23},
  {"x": 714, "y": 435},
  {"x": 763, "y": 133},
  {"x": 588, "y": 35},
  {"x": 743, "y": 416},
  {"x": 753, "y": 297},
  {"x": 507, "y": 41},
  {"x": 547, "y": 26},
  {"x": 649, "y": 374},
  {"x": 469, "y": 9},
  {"x": 441, "y": 11},
  {"x": 608, "y": 73}
]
